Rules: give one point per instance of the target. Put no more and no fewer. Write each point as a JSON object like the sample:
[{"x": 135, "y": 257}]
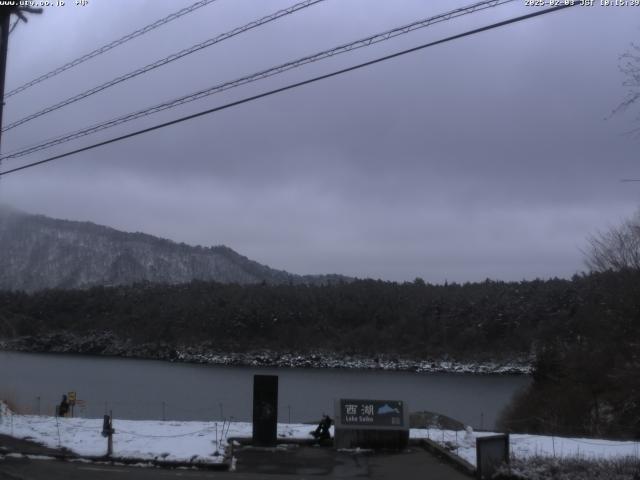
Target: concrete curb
[
  {"x": 25, "y": 454},
  {"x": 64, "y": 457},
  {"x": 222, "y": 466},
  {"x": 441, "y": 452},
  {"x": 246, "y": 441}
]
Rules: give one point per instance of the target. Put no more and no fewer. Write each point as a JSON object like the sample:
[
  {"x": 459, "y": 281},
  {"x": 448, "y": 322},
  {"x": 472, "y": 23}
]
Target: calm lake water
[{"x": 149, "y": 389}]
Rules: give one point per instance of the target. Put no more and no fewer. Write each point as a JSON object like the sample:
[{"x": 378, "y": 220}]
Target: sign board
[
  {"x": 378, "y": 413},
  {"x": 491, "y": 452},
  {"x": 371, "y": 424},
  {"x": 71, "y": 398}
]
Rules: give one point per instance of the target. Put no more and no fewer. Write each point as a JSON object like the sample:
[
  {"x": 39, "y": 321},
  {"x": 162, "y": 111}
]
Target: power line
[
  {"x": 164, "y": 61},
  {"x": 111, "y": 45},
  {"x": 293, "y": 85},
  {"x": 364, "y": 42}
]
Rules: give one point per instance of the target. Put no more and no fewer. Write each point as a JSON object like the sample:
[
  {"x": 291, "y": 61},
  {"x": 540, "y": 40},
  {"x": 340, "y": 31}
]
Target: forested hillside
[
  {"x": 587, "y": 371},
  {"x": 474, "y": 320}
]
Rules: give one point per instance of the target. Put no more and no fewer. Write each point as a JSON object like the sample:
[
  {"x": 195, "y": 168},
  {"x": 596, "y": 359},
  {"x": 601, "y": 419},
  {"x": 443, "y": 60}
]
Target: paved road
[
  {"x": 293, "y": 464},
  {"x": 26, "y": 469}
]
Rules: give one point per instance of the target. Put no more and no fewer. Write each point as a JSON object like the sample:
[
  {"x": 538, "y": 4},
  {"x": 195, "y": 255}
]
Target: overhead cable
[
  {"x": 109, "y": 46},
  {"x": 292, "y": 86},
  {"x": 164, "y": 61},
  {"x": 364, "y": 42}
]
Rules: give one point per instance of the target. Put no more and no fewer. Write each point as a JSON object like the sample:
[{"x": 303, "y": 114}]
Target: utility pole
[{"x": 5, "y": 24}]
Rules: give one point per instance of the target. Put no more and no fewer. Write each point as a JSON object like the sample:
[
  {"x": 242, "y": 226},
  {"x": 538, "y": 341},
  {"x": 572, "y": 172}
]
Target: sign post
[
  {"x": 371, "y": 424},
  {"x": 71, "y": 398}
]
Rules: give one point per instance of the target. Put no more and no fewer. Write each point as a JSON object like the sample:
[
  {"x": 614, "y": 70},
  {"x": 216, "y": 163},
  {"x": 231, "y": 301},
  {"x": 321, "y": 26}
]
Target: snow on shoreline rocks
[
  {"x": 107, "y": 344},
  {"x": 325, "y": 360}
]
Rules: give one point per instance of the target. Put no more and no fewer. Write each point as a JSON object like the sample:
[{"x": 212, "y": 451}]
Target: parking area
[{"x": 306, "y": 461}]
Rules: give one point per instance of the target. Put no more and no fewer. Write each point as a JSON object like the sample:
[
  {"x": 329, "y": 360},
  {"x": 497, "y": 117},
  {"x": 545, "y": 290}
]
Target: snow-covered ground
[
  {"x": 525, "y": 446},
  {"x": 199, "y": 441},
  {"x": 136, "y": 439}
]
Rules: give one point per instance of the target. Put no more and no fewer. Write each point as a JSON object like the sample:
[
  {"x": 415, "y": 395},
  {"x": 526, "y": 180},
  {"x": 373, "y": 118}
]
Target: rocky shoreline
[{"x": 106, "y": 344}]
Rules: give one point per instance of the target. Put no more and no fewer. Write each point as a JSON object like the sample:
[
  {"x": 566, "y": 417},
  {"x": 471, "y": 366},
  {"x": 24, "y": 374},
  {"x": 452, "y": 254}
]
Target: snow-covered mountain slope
[{"x": 37, "y": 252}]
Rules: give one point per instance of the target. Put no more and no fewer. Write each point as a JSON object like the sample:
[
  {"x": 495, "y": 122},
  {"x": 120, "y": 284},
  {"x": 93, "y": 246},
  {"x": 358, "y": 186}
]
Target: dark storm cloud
[{"x": 485, "y": 157}]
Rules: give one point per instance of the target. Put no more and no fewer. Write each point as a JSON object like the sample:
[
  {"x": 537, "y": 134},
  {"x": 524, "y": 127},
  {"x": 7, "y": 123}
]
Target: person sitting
[{"x": 322, "y": 432}]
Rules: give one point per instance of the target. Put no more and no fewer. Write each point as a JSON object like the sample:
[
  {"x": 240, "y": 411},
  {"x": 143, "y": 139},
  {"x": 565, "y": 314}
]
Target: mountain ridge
[{"x": 40, "y": 252}]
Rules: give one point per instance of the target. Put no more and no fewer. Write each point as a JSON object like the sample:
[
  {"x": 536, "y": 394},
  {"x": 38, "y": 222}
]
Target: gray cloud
[{"x": 485, "y": 157}]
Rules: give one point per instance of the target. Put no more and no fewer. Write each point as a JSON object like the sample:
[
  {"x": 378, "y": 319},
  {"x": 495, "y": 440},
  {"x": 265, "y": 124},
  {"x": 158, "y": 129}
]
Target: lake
[{"x": 151, "y": 389}]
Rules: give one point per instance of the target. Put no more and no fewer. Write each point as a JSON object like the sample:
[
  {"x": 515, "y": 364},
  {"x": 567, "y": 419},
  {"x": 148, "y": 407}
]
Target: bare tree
[
  {"x": 630, "y": 67},
  {"x": 615, "y": 249}
]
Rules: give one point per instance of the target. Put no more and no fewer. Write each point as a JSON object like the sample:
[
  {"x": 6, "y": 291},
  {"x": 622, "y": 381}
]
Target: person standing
[{"x": 63, "y": 408}]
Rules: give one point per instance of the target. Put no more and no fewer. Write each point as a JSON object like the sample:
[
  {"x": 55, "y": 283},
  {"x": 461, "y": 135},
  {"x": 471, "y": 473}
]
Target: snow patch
[{"x": 524, "y": 446}]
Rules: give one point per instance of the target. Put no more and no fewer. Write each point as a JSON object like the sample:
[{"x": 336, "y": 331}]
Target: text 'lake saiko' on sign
[{"x": 383, "y": 413}]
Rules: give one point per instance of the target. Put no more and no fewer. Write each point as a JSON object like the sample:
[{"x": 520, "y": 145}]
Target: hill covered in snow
[{"x": 39, "y": 252}]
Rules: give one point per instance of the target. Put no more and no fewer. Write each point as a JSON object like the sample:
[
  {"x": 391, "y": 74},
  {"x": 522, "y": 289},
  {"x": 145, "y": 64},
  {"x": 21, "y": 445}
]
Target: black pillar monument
[{"x": 265, "y": 409}]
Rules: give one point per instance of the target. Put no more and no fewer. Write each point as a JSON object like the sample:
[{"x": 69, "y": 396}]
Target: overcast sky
[{"x": 490, "y": 156}]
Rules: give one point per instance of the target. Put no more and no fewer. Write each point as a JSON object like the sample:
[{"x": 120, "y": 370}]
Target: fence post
[
  {"x": 58, "y": 428},
  {"x": 108, "y": 431},
  {"x": 110, "y": 445},
  {"x": 456, "y": 442}
]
